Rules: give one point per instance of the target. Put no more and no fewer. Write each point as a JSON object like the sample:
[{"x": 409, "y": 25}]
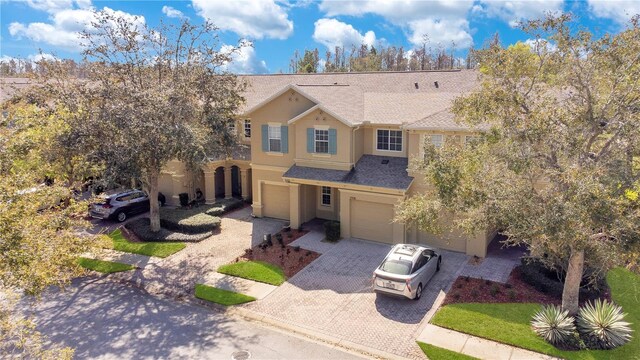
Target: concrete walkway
[
  {"x": 475, "y": 346},
  {"x": 252, "y": 288}
]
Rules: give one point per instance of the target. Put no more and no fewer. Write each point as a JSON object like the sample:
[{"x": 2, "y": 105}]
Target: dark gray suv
[{"x": 120, "y": 206}]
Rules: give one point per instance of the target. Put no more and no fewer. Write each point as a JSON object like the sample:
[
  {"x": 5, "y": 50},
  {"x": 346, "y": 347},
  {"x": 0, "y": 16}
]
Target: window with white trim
[
  {"x": 275, "y": 138},
  {"x": 326, "y": 196},
  {"x": 247, "y": 128},
  {"x": 389, "y": 140},
  {"x": 232, "y": 126},
  {"x": 321, "y": 138},
  {"x": 437, "y": 140}
]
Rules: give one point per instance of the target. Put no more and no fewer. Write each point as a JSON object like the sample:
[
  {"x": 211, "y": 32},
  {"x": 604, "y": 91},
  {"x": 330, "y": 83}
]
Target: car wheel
[
  {"x": 122, "y": 216},
  {"x": 418, "y": 292},
  {"x": 439, "y": 261}
]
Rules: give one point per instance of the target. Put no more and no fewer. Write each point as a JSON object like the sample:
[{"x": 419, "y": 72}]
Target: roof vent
[
  {"x": 416, "y": 85},
  {"x": 385, "y": 162},
  {"x": 436, "y": 84}
]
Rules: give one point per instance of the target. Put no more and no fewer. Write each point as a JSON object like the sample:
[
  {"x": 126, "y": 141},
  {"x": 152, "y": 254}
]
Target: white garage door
[
  {"x": 372, "y": 221},
  {"x": 275, "y": 201}
]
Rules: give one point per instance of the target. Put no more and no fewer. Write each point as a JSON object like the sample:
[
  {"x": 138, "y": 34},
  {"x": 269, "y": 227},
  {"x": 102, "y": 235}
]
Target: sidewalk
[{"x": 475, "y": 346}]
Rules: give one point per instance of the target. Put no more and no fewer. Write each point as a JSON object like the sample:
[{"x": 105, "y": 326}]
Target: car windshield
[{"x": 398, "y": 267}]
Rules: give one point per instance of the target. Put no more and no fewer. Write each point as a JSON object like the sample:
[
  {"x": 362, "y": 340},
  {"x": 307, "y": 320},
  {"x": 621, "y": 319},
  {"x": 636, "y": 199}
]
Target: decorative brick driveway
[{"x": 333, "y": 296}]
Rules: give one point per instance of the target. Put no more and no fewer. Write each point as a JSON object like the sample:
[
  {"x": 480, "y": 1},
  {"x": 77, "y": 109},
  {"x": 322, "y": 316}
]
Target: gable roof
[{"x": 386, "y": 98}]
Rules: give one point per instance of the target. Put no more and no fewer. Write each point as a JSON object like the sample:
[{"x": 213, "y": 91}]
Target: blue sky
[{"x": 278, "y": 27}]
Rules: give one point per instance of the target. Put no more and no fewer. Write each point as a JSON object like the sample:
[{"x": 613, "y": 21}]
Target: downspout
[{"x": 353, "y": 144}]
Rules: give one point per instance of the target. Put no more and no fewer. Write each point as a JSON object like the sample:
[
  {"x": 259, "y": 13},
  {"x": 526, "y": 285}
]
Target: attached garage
[
  {"x": 448, "y": 241},
  {"x": 275, "y": 201},
  {"x": 372, "y": 221}
]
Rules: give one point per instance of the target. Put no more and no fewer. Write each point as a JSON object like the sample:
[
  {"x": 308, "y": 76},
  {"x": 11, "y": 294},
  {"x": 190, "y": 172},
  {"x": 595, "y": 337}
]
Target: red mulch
[
  {"x": 290, "y": 259},
  {"x": 465, "y": 290}
]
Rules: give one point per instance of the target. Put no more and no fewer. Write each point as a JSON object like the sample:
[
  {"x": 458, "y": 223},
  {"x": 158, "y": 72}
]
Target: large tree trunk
[
  {"x": 154, "y": 208},
  {"x": 571, "y": 291}
]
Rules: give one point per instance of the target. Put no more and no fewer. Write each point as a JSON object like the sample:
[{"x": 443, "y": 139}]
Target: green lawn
[
  {"x": 220, "y": 296},
  {"x": 105, "y": 267},
  {"x": 158, "y": 249},
  {"x": 255, "y": 270},
  {"x": 510, "y": 323},
  {"x": 437, "y": 353}
]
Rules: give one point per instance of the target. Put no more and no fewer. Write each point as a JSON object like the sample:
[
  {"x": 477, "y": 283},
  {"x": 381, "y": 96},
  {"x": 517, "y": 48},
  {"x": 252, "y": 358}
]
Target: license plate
[{"x": 390, "y": 285}]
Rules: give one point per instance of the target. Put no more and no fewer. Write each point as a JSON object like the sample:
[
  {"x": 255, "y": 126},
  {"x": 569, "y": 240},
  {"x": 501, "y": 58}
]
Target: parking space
[{"x": 333, "y": 296}]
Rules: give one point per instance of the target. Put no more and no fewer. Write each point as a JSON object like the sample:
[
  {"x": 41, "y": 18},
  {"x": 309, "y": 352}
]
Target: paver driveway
[{"x": 333, "y": 296}]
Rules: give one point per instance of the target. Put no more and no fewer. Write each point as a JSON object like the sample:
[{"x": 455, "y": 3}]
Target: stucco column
[
  {"x": 227, "y": 182},
  {"x": 244, "y": 184},
  {"x": 345, "y": 214},
  {"x": 210, "y": 186},
  {"x": 294, "y": 206}
]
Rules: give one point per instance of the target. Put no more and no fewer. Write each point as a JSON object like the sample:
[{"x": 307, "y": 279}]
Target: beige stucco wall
[
  {"x": 320, "y": 120},
  {"x": 358, "y": 144}
]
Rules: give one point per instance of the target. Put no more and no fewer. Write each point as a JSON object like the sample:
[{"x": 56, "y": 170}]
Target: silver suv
[
  {"x": 120, "y": 206},
  {"x": 406, "y": 270}
]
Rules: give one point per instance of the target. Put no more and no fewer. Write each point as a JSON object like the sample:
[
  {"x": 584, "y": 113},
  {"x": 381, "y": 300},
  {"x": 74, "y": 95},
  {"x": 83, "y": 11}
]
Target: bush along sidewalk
[{"x": 142, "y": 229}]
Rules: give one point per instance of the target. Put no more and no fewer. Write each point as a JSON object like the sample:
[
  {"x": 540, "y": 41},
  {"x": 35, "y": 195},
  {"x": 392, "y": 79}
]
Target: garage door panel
[
  {"x": 275, "y": 201},
  {"x": 372, "y": 221}
]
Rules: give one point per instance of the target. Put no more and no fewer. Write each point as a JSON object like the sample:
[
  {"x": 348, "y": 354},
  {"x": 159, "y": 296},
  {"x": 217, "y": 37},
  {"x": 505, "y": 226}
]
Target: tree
[
  {"x": 309, "y": 62},
  {"x": 559, "y": 168},
  {"x": 151, "y": 95}
]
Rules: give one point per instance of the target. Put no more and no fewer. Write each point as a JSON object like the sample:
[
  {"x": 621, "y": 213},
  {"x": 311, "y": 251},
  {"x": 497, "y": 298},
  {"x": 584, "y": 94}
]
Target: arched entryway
[
  {"x": 236, "y": 186},
  {"x": 219, "y": 182}
]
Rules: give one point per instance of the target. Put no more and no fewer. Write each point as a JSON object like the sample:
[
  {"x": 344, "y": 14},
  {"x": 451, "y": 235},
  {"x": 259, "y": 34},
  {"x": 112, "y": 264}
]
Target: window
[
  {"x": 247, "y": 128},
  {"x": 232, "y": 126},
  {"x": 275, "y": 139},
  {"x": 321, "y": 141},
  {"x": 437, "y": 140},
  {"x": 390, "y": 140},
  {"x": 326, "y": 196}
]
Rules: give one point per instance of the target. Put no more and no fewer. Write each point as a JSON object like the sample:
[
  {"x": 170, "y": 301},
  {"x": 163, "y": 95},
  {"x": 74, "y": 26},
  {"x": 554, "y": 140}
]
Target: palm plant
[
  {"x": 554, "y": 325},
  {"x": 601, "y": 324}
]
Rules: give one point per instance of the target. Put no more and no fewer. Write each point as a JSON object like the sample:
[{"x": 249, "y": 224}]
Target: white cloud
[
  {"x": 244, "y": 61},
  {"x": 43, "y": 56},
  {"x": 536, "y": 43},
  {"x": 618, "y": 11},
  {"x": 442, "y": 21},
  {"x": 172, "y": 12},
  {"x": 332, "y": 33},
  {"x": 256, "y": 19},
  {"x": 54, "y": 6},
  {"x": 64, "y": 29},
  {"x": 512, "y": 12}
]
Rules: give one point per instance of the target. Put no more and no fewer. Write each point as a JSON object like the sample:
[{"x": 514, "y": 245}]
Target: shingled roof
[{"x": 392, "y": 98}]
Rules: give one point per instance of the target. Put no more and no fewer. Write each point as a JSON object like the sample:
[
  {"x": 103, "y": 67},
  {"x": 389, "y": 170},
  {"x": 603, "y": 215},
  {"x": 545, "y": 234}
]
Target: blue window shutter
[
  {"x": 333, "y": 141},
  {"x": 265, "y": 138},
  {"x": 284, "y": 132},
  {"x": 310, "y": 140}
]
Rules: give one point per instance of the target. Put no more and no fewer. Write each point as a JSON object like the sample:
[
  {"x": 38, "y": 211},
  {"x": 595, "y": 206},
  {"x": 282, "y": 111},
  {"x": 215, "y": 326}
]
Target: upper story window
[
  {"x": 326, "y": 196},
  {"x": 275, "y": 138},
  {"x": 247, "y": 128},
  {"x": 232, "y": 126},
  {"x": 390, "y": 140},
  {"x": 321, "y": 141},
  {"x": 437, "y": 140}
]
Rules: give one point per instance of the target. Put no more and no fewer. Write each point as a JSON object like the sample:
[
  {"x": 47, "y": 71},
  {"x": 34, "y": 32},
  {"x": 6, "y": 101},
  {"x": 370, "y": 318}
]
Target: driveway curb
[{"x": 314, "y": 335}]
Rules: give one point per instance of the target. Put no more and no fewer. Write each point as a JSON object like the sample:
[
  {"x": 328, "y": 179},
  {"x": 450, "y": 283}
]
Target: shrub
[
  {"x": 512, "y": 295},
  {"x": 279, "y": 238},
  {"x": 142, "y": 229},
  {"x": 554, "y": 325},
  {"x": 494, "y": 290},
  {"x": 184, "y": 199},
  {"x": 190, "y": 221},
  {"x": 224, "y": 206},
  {"x": 332, "y": 230},
  {"x": 601, "y": 325},
  {"x": 550, "y": 282}
]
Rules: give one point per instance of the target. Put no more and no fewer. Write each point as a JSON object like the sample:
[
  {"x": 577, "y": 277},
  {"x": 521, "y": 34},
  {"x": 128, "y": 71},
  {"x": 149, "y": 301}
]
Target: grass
[
  {"x": 219, "y": 296},
  {"x": 105, "y": 267},
  {"x": 438, "y": 353},
  {"x": 255, "y": 270},
  {"x": 510, "y": 323},
  {"x": 157, "y": 249}
]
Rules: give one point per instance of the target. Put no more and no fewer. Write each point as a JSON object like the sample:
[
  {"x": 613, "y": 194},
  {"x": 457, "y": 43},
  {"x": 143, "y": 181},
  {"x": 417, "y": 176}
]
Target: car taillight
[{"x": 408, "y": 285}]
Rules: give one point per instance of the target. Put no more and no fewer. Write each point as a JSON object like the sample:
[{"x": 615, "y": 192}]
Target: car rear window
[{"x": 398, "y": 267}]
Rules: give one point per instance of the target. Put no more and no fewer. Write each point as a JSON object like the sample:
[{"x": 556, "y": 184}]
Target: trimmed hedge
[
  {"x": 142, "y": 229},
  {"x": 549, "y": 282},
  {"x": 188, "y": 221},
  {"x": 224, "y": 206},
  {"x": 332, "y": 230}
]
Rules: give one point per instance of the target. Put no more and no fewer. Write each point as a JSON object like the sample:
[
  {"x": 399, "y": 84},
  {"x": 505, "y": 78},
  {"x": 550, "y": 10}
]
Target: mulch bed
[
  {"x": 291, "y": 259},
  {"x": 466, "y": 290}
]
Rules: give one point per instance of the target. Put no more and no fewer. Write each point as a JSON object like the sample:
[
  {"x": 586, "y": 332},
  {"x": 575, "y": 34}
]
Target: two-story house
[{"x": 337, "y": 146}]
